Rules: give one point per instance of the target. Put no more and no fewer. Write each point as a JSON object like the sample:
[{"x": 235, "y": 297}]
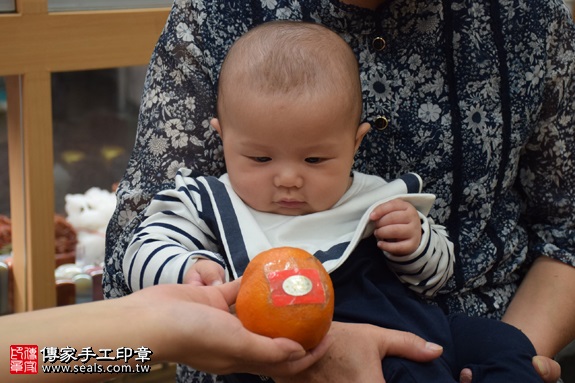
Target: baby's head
[
  {"x": 289, "y": 110},
  {"x": 290, "y": 59}
]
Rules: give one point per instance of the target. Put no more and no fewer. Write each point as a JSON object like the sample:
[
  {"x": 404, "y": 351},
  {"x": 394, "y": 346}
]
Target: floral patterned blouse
[{"x": 476, "y": 96}]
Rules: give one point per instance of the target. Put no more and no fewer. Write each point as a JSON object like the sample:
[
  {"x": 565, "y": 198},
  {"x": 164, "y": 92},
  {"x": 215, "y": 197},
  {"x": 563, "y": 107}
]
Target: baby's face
[{"x": 286, "y": 156}]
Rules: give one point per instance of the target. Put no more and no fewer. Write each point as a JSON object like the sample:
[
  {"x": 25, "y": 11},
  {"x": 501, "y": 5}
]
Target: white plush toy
[{"x": 89, "y": 214}]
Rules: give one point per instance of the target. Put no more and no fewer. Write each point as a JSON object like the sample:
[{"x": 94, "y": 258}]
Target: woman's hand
[
  {"x": 548, "y": 369},
  {"x": 356, "y": 352},
  {"x": 544, "y": 309},
  {"x": 199, "y": 330},
  {"x": 179, "y": 323}
]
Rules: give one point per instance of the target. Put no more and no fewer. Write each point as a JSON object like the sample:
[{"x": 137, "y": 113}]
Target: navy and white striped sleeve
[
  {"x": 172, "y": 237},
  {"x": 427, "y": 269}
]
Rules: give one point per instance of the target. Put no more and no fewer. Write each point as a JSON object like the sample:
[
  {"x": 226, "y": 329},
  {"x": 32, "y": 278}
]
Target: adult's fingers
[
  {"x": 230, "y": 291},
  {"x": 406, "y": 345},
  {"x": 276, "y": 357},
  {"x": 548, "y": 369},
  {"x": 298, "y": 361},
  {"x": 466, "y": 376}
]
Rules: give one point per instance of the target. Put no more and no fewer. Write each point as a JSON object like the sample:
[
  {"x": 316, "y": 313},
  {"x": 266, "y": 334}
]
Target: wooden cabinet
[{"x": 34, "y": 44}]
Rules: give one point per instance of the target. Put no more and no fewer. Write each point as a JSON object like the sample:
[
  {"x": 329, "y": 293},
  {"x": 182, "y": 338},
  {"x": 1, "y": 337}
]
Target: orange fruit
[{"x": 286, "y": 292}]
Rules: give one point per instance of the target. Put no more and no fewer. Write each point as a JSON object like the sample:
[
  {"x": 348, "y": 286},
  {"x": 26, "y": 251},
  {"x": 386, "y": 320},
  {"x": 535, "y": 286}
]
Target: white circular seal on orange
[{"x": 297, "y": 285}]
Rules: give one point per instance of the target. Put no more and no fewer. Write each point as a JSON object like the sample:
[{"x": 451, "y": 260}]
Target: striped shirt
[{"x": 203, "y": 218}]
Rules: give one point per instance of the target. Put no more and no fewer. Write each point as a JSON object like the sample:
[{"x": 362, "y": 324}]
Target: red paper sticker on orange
[{"x": 296, "y": 287}]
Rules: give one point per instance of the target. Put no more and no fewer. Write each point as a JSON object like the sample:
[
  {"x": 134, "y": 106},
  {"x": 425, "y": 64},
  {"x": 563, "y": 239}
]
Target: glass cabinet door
[
  {"x": 94, "y": 128},
  {"x": 7, "y": 6}
]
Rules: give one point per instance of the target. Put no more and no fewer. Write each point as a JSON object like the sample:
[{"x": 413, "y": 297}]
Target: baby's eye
[
  {"x": 313, "y": 160},
  {"x": 261, "y": 159}
]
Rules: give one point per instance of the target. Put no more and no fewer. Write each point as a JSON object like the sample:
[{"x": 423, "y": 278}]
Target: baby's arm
[
  {"x": 167, "y": 244},
  {"x": 418, "y": 251},
  {"x": 170, "y": 240}
]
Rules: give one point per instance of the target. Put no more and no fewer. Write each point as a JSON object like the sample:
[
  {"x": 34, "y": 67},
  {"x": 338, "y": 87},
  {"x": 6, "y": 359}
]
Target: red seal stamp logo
[{"x": 23, "y": 359}]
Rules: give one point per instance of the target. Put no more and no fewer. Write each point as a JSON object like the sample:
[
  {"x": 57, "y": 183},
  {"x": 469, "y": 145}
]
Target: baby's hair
[{"x": 292, "y": 58}]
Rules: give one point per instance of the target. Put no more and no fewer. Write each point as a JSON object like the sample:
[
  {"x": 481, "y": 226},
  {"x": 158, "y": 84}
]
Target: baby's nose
[{"x": 288, "y": 177}]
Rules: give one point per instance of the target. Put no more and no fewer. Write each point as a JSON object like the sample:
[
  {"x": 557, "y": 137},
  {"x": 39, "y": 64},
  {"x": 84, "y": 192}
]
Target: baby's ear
[
  {"x": 215, "y": 123},
  {"x": 361, "y": 132}
]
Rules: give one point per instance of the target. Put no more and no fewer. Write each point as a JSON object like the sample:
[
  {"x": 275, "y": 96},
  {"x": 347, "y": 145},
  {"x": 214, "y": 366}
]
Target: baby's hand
[
  {"x": 205, "y": 273},
  {"x": 397, "y": 227}
]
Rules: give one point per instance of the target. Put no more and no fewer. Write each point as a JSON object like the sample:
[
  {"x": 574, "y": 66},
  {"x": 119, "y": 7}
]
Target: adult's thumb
[{"x": 407, "y": 345}]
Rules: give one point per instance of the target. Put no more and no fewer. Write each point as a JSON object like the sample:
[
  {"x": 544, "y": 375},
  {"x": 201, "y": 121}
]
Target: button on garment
[
  {"x": 381, "y": 123},
  {"x": 378, "y": 44}
]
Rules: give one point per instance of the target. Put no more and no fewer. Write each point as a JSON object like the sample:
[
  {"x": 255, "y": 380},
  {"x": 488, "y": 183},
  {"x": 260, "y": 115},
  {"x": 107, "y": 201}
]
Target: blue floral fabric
[{"x": 480, "y": 100}]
